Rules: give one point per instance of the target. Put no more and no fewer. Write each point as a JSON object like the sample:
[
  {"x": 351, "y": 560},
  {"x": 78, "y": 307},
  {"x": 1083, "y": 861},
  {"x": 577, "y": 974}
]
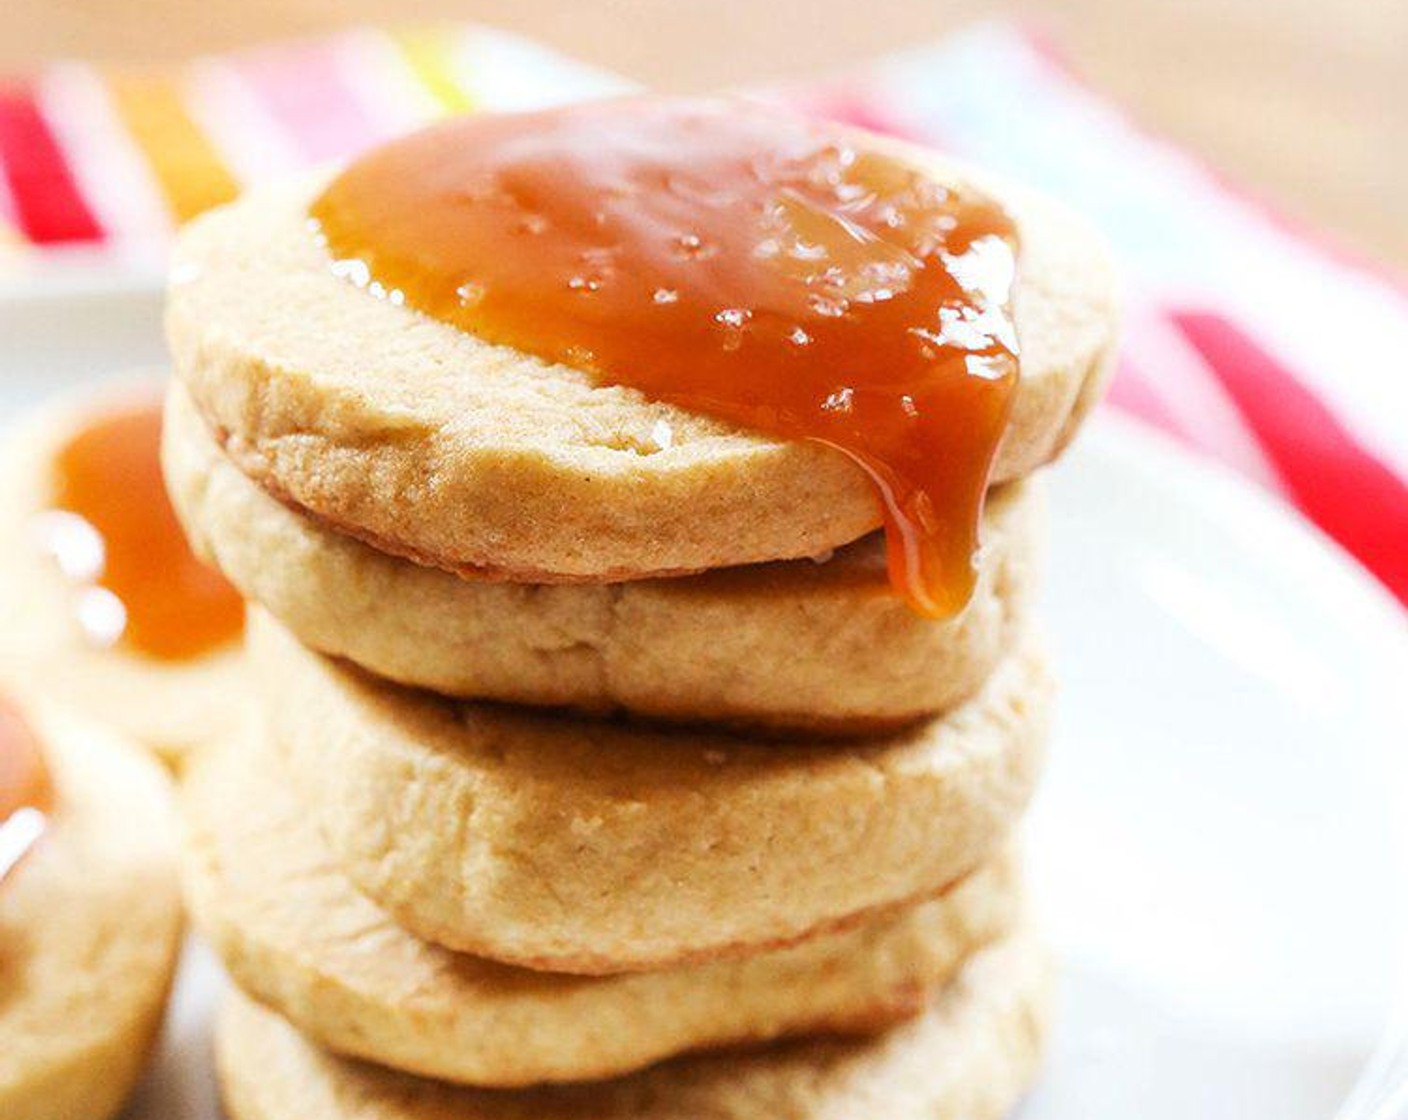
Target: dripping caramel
[{"x": 733, "y": 260}]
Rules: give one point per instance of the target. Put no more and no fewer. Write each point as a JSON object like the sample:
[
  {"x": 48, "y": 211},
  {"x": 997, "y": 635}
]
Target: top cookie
[{"x": 431, "y": 443}]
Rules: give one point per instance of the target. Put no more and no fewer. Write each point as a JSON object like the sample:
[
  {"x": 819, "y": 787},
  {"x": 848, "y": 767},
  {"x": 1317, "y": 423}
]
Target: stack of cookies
[{"x": 534, "y": 826}]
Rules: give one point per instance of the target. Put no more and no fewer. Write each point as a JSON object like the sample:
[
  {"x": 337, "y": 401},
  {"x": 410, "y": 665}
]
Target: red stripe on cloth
[
  {"x": 1343, "y": 487},
  {"x": 48, "y": 204}
]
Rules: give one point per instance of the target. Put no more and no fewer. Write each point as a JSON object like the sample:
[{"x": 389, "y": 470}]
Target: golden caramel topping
[
  {"x": 118, "y": 537},
  {"x": 727, "y": 258},
  {"x": 25, "y": 791}
]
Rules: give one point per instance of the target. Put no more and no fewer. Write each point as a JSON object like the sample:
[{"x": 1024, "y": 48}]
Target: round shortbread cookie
[
  {"x": 590, "y": 846},
  {"x": 431, "y": 443},
  {"x": 168, "y": 705},
  {"x": 90, "y": 929},
  {"x": 793, "y": 645},
  {"x": 970, "y": 1056},
  {"x": 295, "y": 934}
]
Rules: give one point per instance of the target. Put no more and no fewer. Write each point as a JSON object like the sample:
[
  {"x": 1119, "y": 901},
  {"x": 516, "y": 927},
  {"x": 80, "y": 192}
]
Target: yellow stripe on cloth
[
  {"x": 431, "y": 55},
  {"x": 189, "y": 170}
]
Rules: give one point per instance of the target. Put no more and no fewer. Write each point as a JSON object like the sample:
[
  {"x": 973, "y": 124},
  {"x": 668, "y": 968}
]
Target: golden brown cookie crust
[
  {"x": 598, "y": 847},
  {"x": 295, "y": 934},
  {"x": 90, "y": 927},
  {"x": 970, "y": 1056},
  {"x": 432, "y": 444},
  {"x": 799, "y": 646}
]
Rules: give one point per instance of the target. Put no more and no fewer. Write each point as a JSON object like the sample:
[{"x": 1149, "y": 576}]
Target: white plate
[{"x": 1219, "y": 847}]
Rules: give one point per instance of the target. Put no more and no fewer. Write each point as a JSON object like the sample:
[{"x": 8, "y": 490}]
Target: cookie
[
  {"x": 433, "y": 444},
  {"x": 169, "y": 704},
  {"x": 294, "y": 933},
  {"x": 90, "y": 928},
  {"x": 819, "y": 648},
  {"x": 970, "y": 1056},
  {"x": 599, "y": 847}
]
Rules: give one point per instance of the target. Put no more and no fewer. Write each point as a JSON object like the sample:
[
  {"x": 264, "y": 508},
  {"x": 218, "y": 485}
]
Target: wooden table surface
[{"x": 1306, "y": 101}]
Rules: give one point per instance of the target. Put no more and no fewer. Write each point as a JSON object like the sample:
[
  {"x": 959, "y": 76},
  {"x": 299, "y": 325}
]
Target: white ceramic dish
[{"x": 1219, "y": 849}]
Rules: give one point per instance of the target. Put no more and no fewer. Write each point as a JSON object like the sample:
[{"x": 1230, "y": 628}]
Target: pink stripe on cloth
[
  {"x": 1345, "y": 489},
  {"x": 1134, "y": 392},
  {"x": 854, "y": 105},
  {"x": 306, "y": 88},
  {"x": 239, "y": 122}
]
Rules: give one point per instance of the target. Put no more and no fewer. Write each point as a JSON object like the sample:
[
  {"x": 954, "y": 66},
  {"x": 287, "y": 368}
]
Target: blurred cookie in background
[
  {"x": 90, "y": 914},
  {"x": 103, "y": 607}
]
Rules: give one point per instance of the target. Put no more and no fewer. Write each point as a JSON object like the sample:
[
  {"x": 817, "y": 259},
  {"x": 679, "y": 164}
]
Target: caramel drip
[
  {"x": 779, "y": 274},
  {"x": 119, "y": 539},
  {"x": 26, "y": 794}
]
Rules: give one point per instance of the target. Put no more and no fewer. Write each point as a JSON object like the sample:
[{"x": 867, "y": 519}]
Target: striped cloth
[
  {"x": 116, "y": 158},
  {"x": 1250, "y": 341}
]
